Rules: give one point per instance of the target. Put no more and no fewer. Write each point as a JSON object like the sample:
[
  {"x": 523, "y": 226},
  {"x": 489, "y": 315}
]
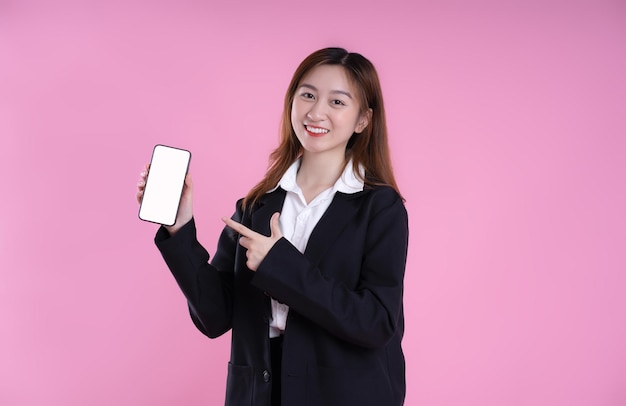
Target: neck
[{"x": 319, "y": 171}]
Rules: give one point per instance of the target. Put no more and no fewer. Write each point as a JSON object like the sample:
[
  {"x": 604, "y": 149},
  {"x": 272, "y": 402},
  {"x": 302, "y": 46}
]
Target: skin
[{"x": 325, "y": 101}]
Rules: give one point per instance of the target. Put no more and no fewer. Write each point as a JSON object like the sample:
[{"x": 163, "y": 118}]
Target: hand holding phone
[{"x": 165, "y": 182}]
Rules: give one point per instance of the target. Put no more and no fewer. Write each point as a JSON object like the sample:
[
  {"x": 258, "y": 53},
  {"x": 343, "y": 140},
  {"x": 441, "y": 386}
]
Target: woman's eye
[
  {"x": 338, "y": 103},
  {"x": 307, "y": 95}
]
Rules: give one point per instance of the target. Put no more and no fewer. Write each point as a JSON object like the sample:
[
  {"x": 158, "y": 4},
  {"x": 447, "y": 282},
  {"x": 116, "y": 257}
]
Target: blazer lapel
[
  {"x": 341, "y": 211},
  {"x": 269, "y": 204}
]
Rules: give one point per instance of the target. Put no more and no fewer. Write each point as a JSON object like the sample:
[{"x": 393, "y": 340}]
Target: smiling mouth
[{"x": 316, "y": 131}]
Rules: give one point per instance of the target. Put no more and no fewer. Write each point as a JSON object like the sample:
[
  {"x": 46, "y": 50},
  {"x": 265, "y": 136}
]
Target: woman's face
[{"x": 325, "y": 111}]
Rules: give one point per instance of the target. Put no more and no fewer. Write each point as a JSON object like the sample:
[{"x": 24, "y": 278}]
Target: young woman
[{"x": 308, "y": 272}]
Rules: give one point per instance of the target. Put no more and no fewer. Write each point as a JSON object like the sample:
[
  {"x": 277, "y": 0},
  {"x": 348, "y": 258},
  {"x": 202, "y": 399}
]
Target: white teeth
[{"x": 316, "y": 130}]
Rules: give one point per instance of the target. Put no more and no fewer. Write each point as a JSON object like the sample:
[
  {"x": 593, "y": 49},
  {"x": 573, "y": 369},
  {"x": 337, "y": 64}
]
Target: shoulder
[
  {"x": 382, "y": 196},
  {"x": 376, "y": 200},
  {"x": 382, "y": 208}
]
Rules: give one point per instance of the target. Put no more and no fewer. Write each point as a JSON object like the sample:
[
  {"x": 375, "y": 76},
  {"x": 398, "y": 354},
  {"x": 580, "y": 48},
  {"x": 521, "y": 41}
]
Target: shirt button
[{"x": 266, "y": 376}]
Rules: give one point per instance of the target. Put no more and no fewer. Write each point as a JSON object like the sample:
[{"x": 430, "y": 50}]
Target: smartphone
[{"x": 164, "y": 185}]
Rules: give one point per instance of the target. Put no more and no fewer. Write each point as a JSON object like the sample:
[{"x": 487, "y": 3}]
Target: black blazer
[{"x": 342, "y": 343}]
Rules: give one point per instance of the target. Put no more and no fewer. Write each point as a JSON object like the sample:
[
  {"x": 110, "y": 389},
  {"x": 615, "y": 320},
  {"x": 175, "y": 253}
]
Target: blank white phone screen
[{"x": 164, "y": 185}]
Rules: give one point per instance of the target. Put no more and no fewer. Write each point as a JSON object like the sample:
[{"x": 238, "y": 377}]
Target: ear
[{"x": 364, "y": 121}]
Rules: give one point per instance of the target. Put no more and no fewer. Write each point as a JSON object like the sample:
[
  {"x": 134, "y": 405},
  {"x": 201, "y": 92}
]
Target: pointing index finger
[{"x": 238, "y": 227}]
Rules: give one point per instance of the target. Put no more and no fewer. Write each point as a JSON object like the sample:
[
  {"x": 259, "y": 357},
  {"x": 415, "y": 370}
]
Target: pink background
[{"x": 508, "y": 135}]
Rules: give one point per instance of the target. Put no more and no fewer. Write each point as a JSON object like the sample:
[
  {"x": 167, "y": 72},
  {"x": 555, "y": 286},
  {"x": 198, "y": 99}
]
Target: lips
[{"x": 314, "y": 131}]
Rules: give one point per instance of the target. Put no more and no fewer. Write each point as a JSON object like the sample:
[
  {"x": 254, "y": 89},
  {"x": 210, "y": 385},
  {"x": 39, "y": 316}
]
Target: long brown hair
[{"x": 369, "y": 148}]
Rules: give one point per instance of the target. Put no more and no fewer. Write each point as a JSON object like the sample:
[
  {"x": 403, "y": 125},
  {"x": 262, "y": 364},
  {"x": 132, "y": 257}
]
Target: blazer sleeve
[
  {"x": 367, "y": 315},
  {"x": 208, "y": 287}
]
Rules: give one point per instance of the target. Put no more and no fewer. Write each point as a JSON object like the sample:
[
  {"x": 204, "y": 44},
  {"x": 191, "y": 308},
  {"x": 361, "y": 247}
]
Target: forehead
[{"x": 329, "y": 78}]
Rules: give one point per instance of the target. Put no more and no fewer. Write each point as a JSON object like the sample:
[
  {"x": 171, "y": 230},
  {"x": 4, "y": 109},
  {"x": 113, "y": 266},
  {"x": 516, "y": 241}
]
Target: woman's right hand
[{"x": 185, "y": 209}]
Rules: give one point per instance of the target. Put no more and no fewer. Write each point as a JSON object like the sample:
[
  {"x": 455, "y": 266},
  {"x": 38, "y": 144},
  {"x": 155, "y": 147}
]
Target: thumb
[{"x": 275, "y": 226}]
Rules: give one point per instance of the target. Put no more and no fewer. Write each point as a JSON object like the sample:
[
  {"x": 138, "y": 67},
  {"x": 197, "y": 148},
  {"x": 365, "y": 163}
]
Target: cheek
[
  {"x": 293, "y": 120},
  {"x": 348, "y": 120},
  {"x": 294, "y": 112}
]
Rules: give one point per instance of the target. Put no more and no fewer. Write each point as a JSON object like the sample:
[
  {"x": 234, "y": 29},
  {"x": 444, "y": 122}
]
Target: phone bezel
[{"x": 143, "y": 216}]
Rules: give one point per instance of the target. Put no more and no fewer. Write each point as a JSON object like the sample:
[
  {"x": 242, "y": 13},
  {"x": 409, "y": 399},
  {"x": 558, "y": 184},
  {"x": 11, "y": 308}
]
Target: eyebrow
[{"x": 332, "y": 91}]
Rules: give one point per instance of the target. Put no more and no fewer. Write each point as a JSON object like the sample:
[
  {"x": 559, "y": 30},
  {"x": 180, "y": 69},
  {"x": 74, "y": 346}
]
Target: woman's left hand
[{"x": 257, "y": 245}]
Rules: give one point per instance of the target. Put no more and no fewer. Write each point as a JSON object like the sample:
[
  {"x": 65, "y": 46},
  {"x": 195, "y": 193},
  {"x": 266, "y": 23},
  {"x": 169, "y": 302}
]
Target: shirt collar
[{"x": 348, "y": 182}]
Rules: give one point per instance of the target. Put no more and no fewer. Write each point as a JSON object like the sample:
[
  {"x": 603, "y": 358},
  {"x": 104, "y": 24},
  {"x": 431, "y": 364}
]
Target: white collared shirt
[{"x": 298, "y": 219}]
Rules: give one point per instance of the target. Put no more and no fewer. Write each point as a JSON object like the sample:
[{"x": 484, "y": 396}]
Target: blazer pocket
[
  {"x": 348, "y": 386},
  {"x": 239, "y": 385}
]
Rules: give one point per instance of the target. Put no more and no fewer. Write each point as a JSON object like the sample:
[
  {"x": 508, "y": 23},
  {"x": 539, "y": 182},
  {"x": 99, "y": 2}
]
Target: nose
[{"x": 316, "y": 112}]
